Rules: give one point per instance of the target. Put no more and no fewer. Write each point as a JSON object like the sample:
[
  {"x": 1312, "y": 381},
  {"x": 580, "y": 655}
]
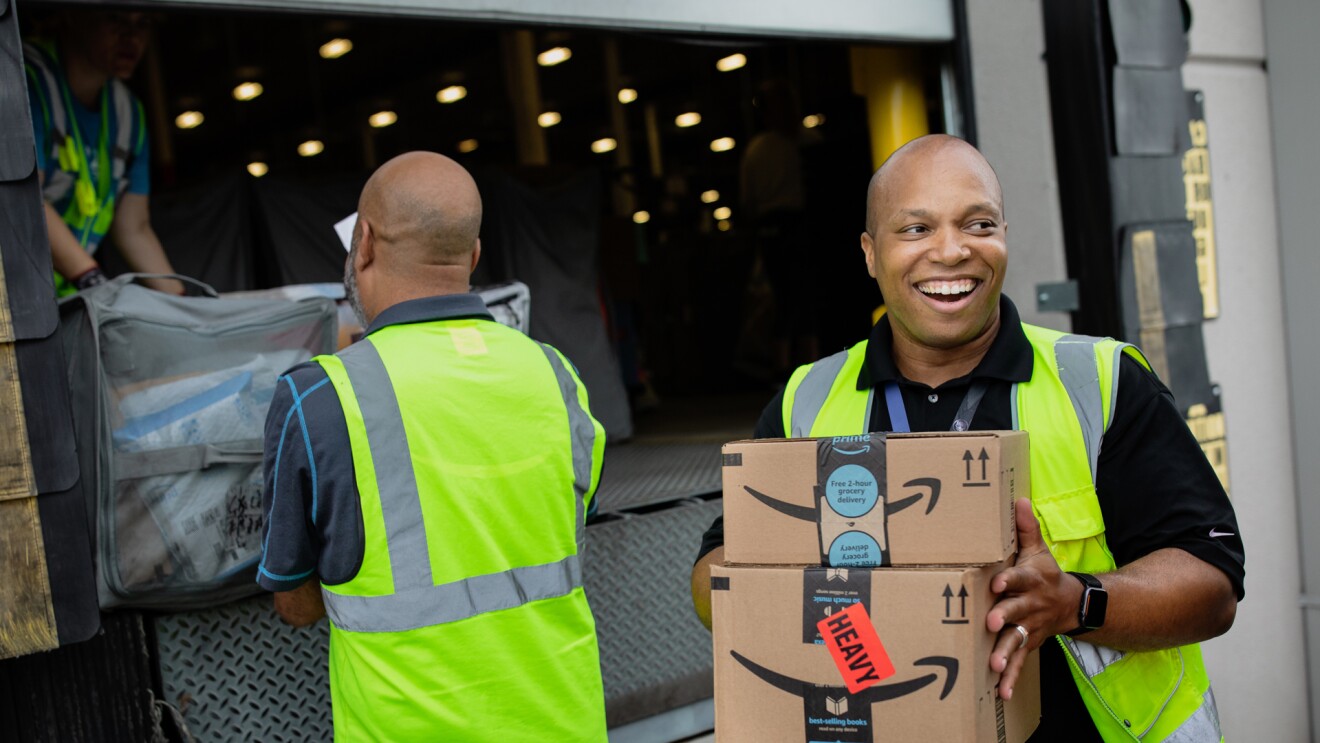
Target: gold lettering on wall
[
  {"x": 1201, "y": 213},
  {"x": 1212, "y": 434}
]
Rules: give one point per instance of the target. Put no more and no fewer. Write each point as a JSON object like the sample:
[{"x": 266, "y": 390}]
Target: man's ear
[
  {"x": 366, "y": 247},
  {"x": 868, "y": 249},
  {"x": 476, "y": 256}
]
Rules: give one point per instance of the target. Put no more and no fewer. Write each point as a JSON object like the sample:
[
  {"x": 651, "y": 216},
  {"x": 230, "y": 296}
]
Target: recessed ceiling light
[
  {"x": 549, "y": 119},
  {"x": 189, "y": 120},
  {"x": 311, "y": 147},
  {"x": 257, "y": 169},
  {"x": 627, "y": 95},
  {"x": 813, "y": 121},
  {"x": 710, "y": 197},
  {"x": 247, "y": 91},
  {"x": 731, "y": 63},
  {"x": 451, "y": 94},
  {"x": 382, "y": 119},
  {"x": 605, "y": 144},
  {"x": 468, "y": 145},
  {"x": 691, "y": 118},
  {"x": 641, "y": 217},
  {"x": 723, "y": 144},
  {"x": 336, "y": 48},
  {"x": 723, "y": 212},
  {"x": 552, "y": 57},
  {"x": 724, "y": 225}
]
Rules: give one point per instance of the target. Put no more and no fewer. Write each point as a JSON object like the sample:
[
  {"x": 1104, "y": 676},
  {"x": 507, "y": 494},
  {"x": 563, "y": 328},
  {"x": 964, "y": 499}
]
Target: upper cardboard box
[{"x": 875, "y": 500}]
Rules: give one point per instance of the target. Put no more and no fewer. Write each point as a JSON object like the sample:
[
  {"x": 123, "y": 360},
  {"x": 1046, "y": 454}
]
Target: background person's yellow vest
[
  {"x": 475, "y": 457},
  {"x": 1066, "y": 407}
]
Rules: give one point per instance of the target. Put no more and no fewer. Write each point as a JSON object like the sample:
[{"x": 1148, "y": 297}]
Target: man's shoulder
[{"x": 297, "y": 384}]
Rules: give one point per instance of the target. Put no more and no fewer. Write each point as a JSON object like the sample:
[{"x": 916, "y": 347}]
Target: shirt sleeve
[
  {"x": 139, "y": 169},
  {"x": 1155, "y": 486},
  {"x": 289, "y": 545}
]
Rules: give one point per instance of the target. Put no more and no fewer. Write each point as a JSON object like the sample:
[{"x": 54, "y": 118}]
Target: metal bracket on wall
[{"x": 1057, "y": 296}]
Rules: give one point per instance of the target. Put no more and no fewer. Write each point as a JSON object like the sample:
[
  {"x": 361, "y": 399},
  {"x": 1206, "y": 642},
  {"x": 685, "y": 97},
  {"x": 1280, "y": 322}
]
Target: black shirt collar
[
  {"x": 1009, "y": 358},
  {"x": 428, "y": 309}
]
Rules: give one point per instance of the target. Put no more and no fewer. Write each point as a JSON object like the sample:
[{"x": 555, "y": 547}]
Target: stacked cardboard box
[{"x": 852, "y": 603}]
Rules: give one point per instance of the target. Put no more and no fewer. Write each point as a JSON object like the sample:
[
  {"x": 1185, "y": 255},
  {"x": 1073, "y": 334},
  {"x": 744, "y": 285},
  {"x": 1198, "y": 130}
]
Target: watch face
[{"x": 1095, "y": 602}]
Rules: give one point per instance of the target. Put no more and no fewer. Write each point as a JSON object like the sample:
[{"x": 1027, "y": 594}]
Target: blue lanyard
[{"x": 898, "y": 420}]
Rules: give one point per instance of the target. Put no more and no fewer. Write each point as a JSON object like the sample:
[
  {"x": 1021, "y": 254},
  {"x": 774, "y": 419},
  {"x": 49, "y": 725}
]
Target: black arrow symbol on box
[
  {"x": 948, "y": 600},
  {"x": 967, "y": 460},
  {"x": 962, "y": 600},
  {"x": 984, "y": 458}
]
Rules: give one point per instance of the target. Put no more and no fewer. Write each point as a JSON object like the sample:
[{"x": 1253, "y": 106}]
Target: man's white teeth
[{"x": 962, "y": 286}]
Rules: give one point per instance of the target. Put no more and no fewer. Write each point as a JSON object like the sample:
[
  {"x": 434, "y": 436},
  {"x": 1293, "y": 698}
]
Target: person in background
[
  {"x": 427, "y": 489},
  {"x": 1128, "y": 550},
  {"x": 91, "y": 140}
]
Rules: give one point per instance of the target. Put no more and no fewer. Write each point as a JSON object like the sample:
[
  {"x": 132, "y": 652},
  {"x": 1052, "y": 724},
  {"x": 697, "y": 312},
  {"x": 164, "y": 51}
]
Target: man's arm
[
  {"x": 302, "y": 606},
  {"x": 1165, "y": 599},
  {"x": 138, "y": 242},
  {"x": 66, "y": 254}
]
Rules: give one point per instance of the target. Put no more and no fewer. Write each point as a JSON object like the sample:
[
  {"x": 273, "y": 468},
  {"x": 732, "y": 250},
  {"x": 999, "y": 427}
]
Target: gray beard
[{"x": 350, "y": 284}]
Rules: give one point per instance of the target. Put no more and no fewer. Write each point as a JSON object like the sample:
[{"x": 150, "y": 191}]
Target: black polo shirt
[{"x": 1155, "y": 487}]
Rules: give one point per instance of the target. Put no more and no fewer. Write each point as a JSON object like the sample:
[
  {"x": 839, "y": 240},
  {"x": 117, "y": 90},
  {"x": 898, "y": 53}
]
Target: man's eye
[
  {"x": 983, "y": 224},
  {"x": 914, "y": 229}
]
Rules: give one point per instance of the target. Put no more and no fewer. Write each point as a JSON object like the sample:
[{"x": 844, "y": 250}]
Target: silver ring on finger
[{"x": 1023, "y": 632}]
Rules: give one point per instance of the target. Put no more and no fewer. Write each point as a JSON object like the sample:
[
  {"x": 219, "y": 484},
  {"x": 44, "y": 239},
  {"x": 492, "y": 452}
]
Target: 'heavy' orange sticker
[{"x": 856, "y": 648}]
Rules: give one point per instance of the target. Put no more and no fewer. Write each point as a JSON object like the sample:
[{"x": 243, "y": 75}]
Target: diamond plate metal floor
[
  {"x": 239, "y": 674},
  {"x": 641, "y": 474}
]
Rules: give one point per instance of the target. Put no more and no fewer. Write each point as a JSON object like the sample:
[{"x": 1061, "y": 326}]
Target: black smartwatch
[{"x": 1091, "y": 610}]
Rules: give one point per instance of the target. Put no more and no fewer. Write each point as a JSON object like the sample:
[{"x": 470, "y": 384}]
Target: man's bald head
[
  {"x": 424, "y": 210},
  {"x": 923, "y": 154}
]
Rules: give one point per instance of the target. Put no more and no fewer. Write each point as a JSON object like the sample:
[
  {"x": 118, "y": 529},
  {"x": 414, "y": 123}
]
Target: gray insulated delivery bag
[{"x": 170, "y": 397}]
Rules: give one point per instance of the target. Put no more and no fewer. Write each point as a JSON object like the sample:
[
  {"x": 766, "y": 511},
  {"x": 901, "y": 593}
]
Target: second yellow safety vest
[{"x": 1066, "y": 408}]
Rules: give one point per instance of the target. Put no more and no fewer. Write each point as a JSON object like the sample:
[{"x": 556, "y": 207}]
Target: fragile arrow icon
[
  {"x": 962, "y": 601},
  {"x": 984, "y": 458},
  {"x": 948, "y": 599},
  {"x": 967, "y": 460}
]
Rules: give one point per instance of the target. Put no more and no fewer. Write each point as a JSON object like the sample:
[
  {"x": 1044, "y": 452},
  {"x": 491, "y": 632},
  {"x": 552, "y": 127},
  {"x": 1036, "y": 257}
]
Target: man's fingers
[
  {"x": 1009, "y": 677},
  {"x": 1028, "y": 529}
]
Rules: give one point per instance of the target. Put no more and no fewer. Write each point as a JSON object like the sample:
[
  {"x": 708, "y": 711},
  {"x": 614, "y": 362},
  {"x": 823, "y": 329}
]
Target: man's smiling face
[{"x": 935, "y": 243}]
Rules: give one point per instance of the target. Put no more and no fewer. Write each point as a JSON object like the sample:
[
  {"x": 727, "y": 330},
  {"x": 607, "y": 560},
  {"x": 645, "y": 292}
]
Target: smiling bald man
[{"x": 1129, "y": 551}]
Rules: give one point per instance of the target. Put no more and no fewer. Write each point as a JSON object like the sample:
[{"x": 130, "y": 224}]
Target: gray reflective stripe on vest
[
  {"x": 401, "y": 506},
  {"x": 1201, "y": 727},
  {"x": 58, "y": 183},
  {"x": 1075, "y": 355},
  {"x": 812, "y": 392},
  {"x": 1092, "y": 658},
  {"x": 123, "y": 147},
  {"x": 452, "y": 602},
  {"x": 582, "y": 434}
]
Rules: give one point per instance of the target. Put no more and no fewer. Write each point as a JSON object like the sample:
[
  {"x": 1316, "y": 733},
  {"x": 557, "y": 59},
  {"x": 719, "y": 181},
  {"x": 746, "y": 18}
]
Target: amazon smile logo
[{"x": 838, "y": 696}]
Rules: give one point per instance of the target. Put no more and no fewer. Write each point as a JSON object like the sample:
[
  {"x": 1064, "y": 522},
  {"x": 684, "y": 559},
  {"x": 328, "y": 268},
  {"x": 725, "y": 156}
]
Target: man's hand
[
  {"x": 138, "y": 243},
  {"x": 701, "y": 583},
  {"x": 1034, "y": 594},
  {"x": 301, "y": 607}
]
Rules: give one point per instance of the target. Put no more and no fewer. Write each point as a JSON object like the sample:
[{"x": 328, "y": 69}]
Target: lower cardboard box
[{"x": 926, "y": 672}]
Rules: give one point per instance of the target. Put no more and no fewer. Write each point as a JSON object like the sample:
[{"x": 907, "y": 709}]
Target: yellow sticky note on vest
[{"x": 468, "y": 341}]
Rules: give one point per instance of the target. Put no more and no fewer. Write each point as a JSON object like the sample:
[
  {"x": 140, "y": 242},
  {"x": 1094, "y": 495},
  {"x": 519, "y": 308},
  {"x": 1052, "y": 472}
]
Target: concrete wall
[
  {"x": 1011, "y": 96},
  {"x": 1294, "y": 58},
  {"x": 1258, "y": 671}
]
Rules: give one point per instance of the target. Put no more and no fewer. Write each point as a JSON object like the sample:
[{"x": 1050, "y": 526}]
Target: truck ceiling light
[
  {"x": 549, "y": 119},
  {"x": 247, "y": 91},
  {"x": 552, "y": 57},
  {"x": 710, "y": 197},
  {"x": 451, "y": 94},
  {"x": 723, "y": 144},
  {"x": 724, "y": 225},
  {"x": 336, "y": 48},
  {"x": 685, "y": 120},
  {"x": 257, "y": 169},
  {"x": 723, "y": 213},
  {"x": 627, "y": 95},
  {"x": 382, "y": 119},
  {"x": 813, "y": 121},
  {"x": 189, "y": 120},
  {"x": 641, "y": 217},
  {"x": 604, "y": 144},
  {"x": 311, "y": 148},
  {"x": 731, "y": 63},
  {"x": 468, "y": 145}
]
